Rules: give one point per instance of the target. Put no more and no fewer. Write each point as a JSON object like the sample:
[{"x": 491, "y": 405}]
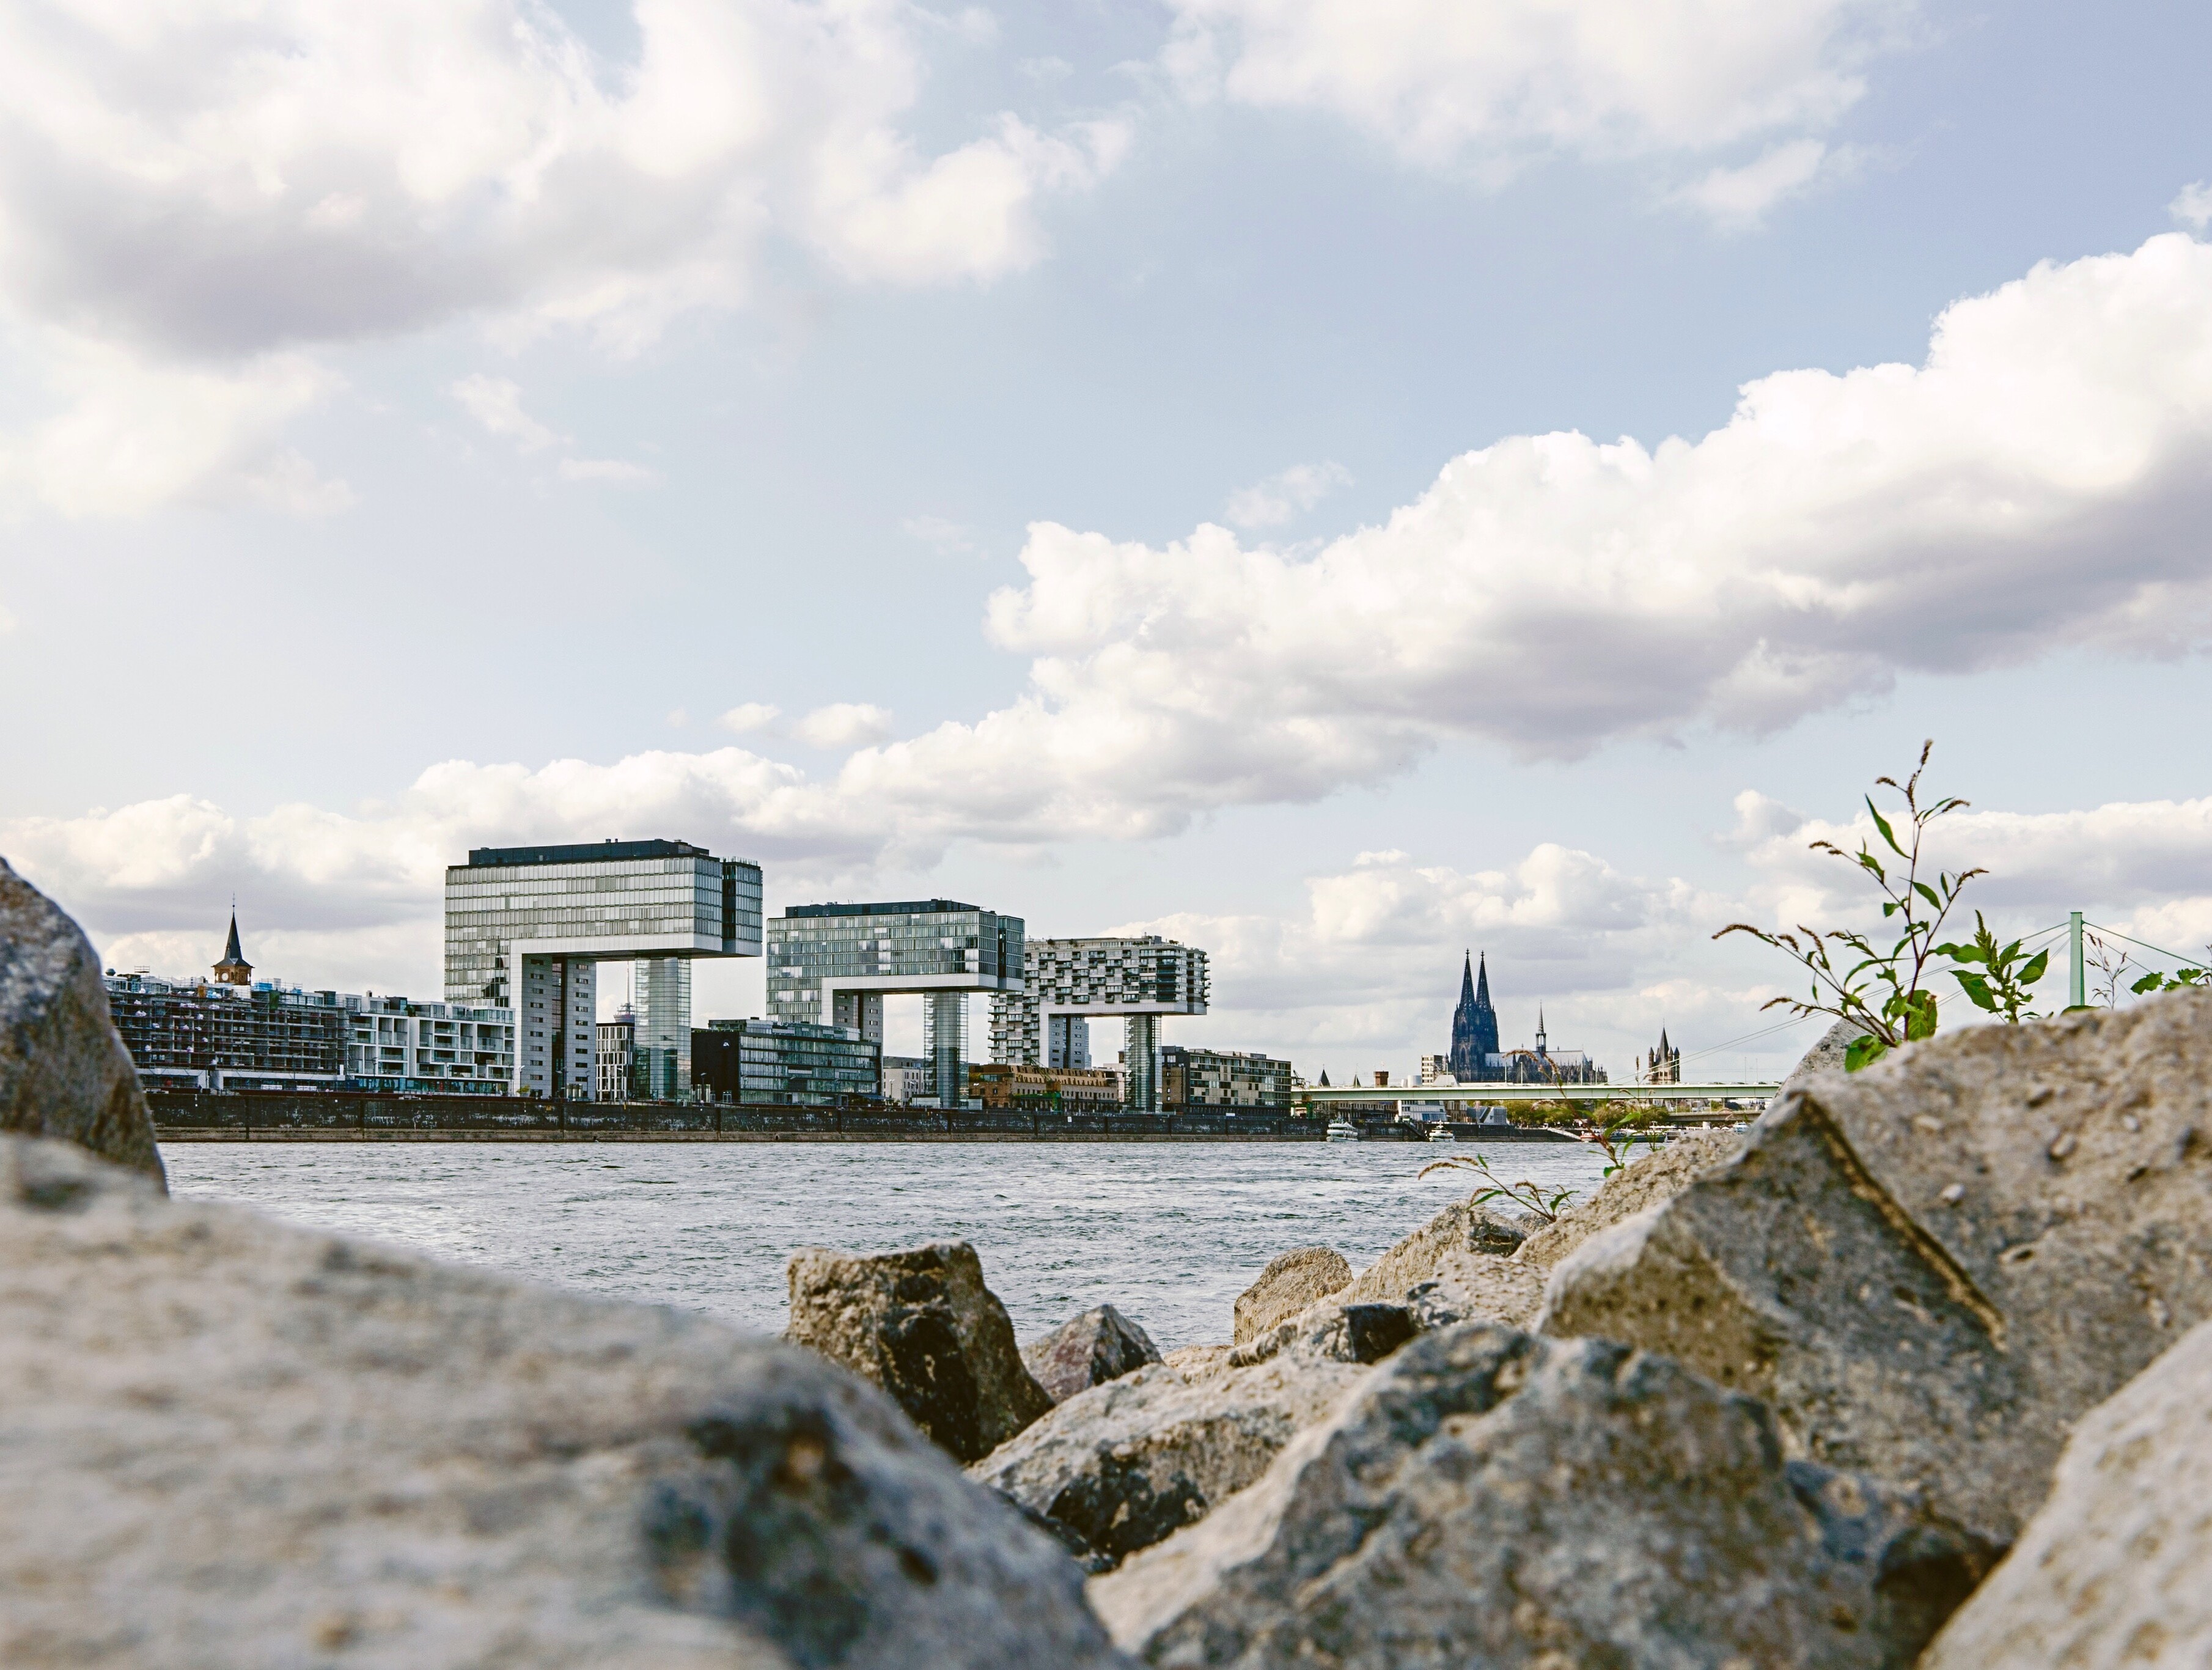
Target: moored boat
[{"x": 1342, "y": 1130}]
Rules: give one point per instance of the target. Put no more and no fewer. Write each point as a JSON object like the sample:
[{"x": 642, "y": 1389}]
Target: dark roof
[
  {"x": 902, "y": 907},
  {"x": 584, "y": 852},
  {"x": 231, "y": 952}
]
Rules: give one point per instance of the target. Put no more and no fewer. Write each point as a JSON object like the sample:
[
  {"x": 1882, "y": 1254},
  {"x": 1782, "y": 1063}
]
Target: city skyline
[{"x": 1119, "y": 462}]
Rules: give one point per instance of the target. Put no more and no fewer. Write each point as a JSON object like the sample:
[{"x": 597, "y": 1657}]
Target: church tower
[
  {"x": 233, "y": 969},
  {"x": 1474, "y": 1024}
]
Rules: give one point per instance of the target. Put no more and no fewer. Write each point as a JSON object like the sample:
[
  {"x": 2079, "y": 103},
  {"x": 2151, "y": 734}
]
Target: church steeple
[
  {"x": 1474, "y": 1022},
  {"x": 233, "y": 969},
  {"x": 1543, "y": 1043}
]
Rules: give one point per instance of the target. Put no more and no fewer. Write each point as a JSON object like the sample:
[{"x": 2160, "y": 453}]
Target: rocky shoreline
[{"x": 1916, "y": 1370}]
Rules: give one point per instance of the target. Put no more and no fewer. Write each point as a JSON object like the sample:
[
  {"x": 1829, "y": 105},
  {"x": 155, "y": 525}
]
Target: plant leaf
[{"x": 1864, "y": 1053}]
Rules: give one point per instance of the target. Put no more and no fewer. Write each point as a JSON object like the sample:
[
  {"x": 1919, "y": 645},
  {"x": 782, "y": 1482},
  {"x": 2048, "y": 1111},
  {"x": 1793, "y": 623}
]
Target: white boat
[
  {"x": 1342, "y": 1130},
  {"x": 1442, "y": 1133}
]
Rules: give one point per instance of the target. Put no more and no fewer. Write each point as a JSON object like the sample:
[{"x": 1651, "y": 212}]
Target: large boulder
[
  {"x": 1291, "y": 1281},
  {"x": 1333, "y": 1329},
  {"x": 1652, "y": 1175},
  {"x": 1488, "y": 1497},
  {"x": 227, "y": 1441},
  {"x": 1828, "y": 1053},
  {"x": 921, "y": 1325},
  {"x": 1932, "y": 1267},
  {"x": 1125, "y": 1464},
  {"x": 64, "y": 1070},
  {"x": 1087, "y": 1351},
  {"x": 2117, "y": 1568},
  {"x": 1470, "y": 1287},
  {"x": 1460, "y": 1227}
]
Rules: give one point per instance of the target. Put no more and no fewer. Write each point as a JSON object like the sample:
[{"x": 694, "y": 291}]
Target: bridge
[{"x": 1491, "y": 1096}]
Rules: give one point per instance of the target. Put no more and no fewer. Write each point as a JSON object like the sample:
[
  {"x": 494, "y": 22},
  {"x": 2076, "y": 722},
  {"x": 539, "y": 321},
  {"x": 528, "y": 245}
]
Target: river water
[{"x": 1169, "y": 1232}]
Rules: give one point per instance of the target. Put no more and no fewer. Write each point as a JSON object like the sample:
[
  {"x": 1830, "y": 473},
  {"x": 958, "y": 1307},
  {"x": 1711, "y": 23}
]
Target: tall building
[
  {"x": 1067, "y": 983},
  {"x": 790, "y": 1064},
  {"x": 834, "y": 964},
  {"x": 528, "y": 927},
  {"x": 615, "y": 1052},
  {"x": 1475, "y": 1024}
]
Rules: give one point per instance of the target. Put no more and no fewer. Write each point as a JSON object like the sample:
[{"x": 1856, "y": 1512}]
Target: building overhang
[
  {"x": 907, "y": 985},
  {"x": 1185, "y": 1008},
  {"x": 599, "y": 948}
]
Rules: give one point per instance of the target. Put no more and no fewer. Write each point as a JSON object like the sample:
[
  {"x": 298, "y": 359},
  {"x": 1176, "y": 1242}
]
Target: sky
[{"x": 1339, "y": 482}]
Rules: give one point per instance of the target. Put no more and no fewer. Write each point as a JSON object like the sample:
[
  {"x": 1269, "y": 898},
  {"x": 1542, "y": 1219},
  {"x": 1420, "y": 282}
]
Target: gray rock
[
  {"x": 1826, "y": 1055},
  {"x": 1461, "y": 1227},
  {"x": 1332, "y": 1329},
  {"x": 921, "y": 1325},
  {"x": 1124, "y": 1464},
  {"x": 1291, "y": 1281},
  {"x": 1197, "y": 1363},
  {"x": 1471, "y": 1287},
  {"x": 1099, "y": 1345},
  {"x": 64, "y": 1070},
  {"x": 1486, "y": 1498},
  {"x": 2117, "y": 1568},
  {"x": 1653, "y": 1175},
  {"x": 1933, "y": 1267},
  {"x": 229, "y": 1442}
]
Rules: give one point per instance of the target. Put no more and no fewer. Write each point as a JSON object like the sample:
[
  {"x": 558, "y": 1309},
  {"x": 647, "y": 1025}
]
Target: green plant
[
  {"x": 1884, "y": 992},
  {"x": 2000, "y": 986},
  {"x": 2155, "y": 981},
  {"x": 1618, "y": 1138},
  {"x": 1533, "y": 1198}
]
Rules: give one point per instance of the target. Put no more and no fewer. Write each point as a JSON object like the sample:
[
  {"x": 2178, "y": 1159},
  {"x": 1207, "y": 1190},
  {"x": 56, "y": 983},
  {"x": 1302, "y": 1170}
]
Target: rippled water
[{"x": 1170, "y": 1233}]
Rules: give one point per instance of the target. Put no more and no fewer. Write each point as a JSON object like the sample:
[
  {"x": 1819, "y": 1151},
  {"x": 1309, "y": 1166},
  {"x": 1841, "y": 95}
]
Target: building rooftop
[
  {"x": 902, "y": 908},
  {"x": 584, "y": 852}
]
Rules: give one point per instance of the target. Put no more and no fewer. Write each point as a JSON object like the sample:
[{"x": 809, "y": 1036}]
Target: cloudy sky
[{"x": 1337, "y": 480}]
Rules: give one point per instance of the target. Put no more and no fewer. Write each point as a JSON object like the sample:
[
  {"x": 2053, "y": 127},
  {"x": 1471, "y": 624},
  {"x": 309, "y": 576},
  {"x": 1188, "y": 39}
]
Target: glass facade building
[
  {"x": 1213, "y": 1078},
  {"x": 833, "y": 964},
  {"x": 527, "y": 926},
  {"x": 790, "y": 1064}
]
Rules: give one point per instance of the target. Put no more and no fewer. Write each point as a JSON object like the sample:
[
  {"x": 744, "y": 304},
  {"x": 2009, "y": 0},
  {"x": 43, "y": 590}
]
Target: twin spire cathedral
[
  {"x": 1478, "y": 1058},
  {"x": 1474, "y": 1025}
]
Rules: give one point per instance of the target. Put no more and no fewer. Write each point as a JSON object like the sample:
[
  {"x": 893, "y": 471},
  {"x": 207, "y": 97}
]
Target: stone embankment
[{"x": 1905, "y": 1374}]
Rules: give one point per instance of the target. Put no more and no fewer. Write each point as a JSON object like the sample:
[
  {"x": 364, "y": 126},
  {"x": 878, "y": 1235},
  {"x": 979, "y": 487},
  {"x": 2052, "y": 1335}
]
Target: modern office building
[
  {"x": 834, "y": 964},
  {"x": 1196, "y": 1079},
  {"x": 403, "y": 1048},
  {"x": 527, "y": 926},
  {"x": 791, "y": 1064},
  {"x": 614, "y": 1049},
  {"x": 1046, "y": 1089},
  {"x": 1068, "y": 982}
]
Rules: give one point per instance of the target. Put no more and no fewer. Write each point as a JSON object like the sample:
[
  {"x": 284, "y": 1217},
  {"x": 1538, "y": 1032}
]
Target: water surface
[{"x": 1169, "y": 1232}]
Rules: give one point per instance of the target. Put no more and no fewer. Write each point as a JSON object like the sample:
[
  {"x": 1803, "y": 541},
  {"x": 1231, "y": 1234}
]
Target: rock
[
  {"x": 1124, "y": 1464},
  {"x": 1469, "y": 1287},
  {"x": 64, "y": 1069},
  {"x": 227, "y": 1441},
  {"x": 1655, "y": 1175},
  {"x": 921, "y": 1325},
  {"x": 1933, "y": 1267},
  {"x": 1197, "y": 1363},
  {"x": 1827, "y": 1054},
  {"x": 1461, "y": 1227},
  {"x": 1487, "y": 1498},
  {"x": 1333, "y": 1330},
  {"x": 1099, "y": 1345},
  {"x": 1291, "y": 1281},
  {"x": 2117, "y": 1568}
]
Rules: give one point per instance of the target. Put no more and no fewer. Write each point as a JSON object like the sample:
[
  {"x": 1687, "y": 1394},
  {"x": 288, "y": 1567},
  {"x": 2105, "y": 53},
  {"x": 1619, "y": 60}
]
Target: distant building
[
  {"x": 1661, "y": 1065},
  {"x": 616, "y": 1049},
  {"x": 527, "y": 927},
  {"x": 1435, "y": 1070},
  {"x": 1477, "y": 1059},
  {"x": 909, "y": 1079},
  {"x": 792, "y": 1063},
  {"x": 1209, "y": 1078},
  {"x": 834, "y": 964},
  {"x": 1067, "y": 983},
  {"x": 1045, "y": 1090},
  {"x": 230, "y": 1036}
]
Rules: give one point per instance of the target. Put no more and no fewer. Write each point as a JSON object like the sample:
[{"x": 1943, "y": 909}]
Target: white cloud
[
  {"x": 614, "y": 472},
  {"x": 206, "y": 189},
  {"x": 130, "y": 433},
  {"x": 2193, "y": 206},
  {"x": 750, "y": 716},
  {"x": 1738, "y": 198},
  {"x": 496, "y": 403},
  {"x": 845, "y": 725},
  {"x": 1441, "y": 79},
  {"x": 1275, "y": 501}
]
